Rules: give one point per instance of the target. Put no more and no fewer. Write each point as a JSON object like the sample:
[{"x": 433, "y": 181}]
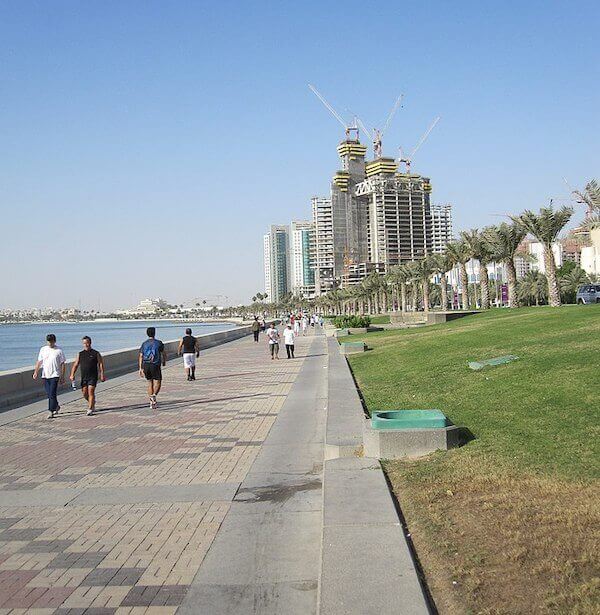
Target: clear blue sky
[{"x": 146, "y": 146}]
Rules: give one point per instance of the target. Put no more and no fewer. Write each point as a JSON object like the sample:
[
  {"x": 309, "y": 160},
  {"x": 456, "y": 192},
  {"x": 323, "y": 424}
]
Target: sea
[{"x": 20, "y": 343}]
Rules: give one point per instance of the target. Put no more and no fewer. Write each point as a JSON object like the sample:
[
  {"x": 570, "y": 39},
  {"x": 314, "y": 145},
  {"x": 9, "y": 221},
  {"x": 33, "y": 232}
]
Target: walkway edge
[{"x": 366, "y": 564}]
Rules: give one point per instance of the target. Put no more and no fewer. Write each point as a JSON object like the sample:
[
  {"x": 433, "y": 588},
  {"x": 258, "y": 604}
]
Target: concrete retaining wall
[{"x": 17, "y": 387}]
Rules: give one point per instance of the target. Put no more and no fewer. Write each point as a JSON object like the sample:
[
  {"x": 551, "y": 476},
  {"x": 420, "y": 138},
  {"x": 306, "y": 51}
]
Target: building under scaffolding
[{"x": 399, "y": 213}]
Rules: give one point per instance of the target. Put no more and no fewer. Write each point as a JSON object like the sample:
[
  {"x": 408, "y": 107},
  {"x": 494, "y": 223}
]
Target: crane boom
[
  {"x": 363, "y": 127},
  {"x": 392, "y": 113},
  {"x": 424, "y": 137},
  {"x": 333, "y": 112}
]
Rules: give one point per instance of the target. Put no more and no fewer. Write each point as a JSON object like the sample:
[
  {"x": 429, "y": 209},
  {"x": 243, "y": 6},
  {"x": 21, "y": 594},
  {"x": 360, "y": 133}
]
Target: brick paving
[{"x": 132, "y": 558}]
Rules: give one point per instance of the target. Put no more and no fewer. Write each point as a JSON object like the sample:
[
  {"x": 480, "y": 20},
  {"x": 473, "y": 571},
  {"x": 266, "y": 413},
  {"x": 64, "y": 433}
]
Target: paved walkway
[{"x": 116, "y": 513}]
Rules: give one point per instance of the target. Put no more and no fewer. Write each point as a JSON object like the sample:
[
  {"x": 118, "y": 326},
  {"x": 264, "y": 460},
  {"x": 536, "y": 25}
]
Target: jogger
[
  {"x": 92, "y": 369},
  {"x": 53, "y": 363},
  {"x": 189, "y": 347},
  {"x": 152, "y": 355},
  {"x": 256, "y": 328}
]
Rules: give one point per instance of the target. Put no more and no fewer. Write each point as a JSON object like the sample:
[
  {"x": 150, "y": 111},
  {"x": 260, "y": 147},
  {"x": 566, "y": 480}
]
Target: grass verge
[{"x": 508, "y": 523}]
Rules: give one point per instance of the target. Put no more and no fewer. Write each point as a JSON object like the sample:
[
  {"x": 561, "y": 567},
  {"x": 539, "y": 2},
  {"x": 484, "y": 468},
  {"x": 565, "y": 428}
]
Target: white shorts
[{"x": 189, "y": 359}]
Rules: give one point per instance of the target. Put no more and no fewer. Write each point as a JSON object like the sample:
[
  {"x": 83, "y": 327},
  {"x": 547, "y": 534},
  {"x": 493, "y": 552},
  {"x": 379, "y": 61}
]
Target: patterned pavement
[{"x": 113, "y": 545}]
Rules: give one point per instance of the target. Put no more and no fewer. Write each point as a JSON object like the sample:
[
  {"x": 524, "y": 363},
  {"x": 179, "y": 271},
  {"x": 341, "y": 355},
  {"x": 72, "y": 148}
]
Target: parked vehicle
[{"x": 590, "y": 293}]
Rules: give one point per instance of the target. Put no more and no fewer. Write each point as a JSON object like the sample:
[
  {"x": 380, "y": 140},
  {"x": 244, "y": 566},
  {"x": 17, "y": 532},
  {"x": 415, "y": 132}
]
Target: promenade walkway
[{"x": 212, "y": 504}]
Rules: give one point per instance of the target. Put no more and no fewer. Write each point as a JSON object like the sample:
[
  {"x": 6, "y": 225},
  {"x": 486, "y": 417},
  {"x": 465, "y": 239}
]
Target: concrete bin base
[
  {"x": 398, "y": 443},
  {"x": 352, "y": 347},
  {"x": 357, "y": 330}
]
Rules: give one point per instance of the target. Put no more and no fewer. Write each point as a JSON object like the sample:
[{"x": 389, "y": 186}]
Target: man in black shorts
[
  {"x": 92, "y": 369},
  {"x": 152, "y": 356},
  {"x": 189, "y": 348}
]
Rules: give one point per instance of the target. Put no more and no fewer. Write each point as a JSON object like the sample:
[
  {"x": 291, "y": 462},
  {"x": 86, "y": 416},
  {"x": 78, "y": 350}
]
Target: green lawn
[
  {"x": 509, "y": 522},
  {"x": 381, "y": 319},
  {"x": 542, "y": 411}
]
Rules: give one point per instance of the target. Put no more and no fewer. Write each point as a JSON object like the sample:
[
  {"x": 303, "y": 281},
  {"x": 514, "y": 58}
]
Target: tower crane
[
  {"x": 377, "y": 135},
  {"x": 348, "y": 128},
  {"x": 407, "y": 160}
]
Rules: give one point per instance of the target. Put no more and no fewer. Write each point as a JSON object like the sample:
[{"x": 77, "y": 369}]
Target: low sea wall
[{"x": 17, "y": 387}]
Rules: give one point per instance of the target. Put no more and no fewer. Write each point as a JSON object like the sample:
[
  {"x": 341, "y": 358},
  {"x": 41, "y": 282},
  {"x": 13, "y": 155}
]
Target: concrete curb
[
  {"x": 344, "y": 431},
  {"x": 366, "y": 564}
]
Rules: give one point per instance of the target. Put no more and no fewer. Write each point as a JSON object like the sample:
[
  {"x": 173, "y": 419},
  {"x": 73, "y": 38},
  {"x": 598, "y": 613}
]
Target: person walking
[
  {"x": 92, "y": 369},
  {"x": 297, "y": 326},
  {"x": 152, "y": 355},
  {"x": 288, "y": 338},
  {"x": 304, "y": 324},
  {"x": 255, "y": 328},
  {"x": 53, "y": 363},
  {"x": 273, "y": 337},
  {"x": 189, "y": 347}
]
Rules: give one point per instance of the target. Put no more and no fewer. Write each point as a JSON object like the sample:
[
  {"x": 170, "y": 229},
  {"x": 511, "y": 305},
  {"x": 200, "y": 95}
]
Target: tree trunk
[
  {"x": 444, "y": 287},
  {"x": 485, "y": 286},
  {"x": 415, "y": 296},
  {"x": 403, "y": 296},
  {"x": 426, "y": 295},
  {"x": 464, "y": 284},
  {"x": 553, "y": 290}
]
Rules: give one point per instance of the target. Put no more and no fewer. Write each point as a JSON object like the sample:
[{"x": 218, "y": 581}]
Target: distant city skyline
[{"x": 134, "y": 164}]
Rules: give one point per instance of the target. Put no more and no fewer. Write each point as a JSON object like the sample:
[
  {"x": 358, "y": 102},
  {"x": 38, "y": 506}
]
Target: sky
[{"x": 145, "y": 146}]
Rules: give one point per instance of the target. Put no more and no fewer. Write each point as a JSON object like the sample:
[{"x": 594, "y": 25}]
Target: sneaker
[
  {"x": 50, "y": 415},
  {"x": 90, "y": 412},
  {"x": 153, "y": 402}
]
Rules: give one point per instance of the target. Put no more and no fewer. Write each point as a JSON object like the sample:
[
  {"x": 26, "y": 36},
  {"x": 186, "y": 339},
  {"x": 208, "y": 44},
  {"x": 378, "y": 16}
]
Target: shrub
[{"x": 353, "y": 321}]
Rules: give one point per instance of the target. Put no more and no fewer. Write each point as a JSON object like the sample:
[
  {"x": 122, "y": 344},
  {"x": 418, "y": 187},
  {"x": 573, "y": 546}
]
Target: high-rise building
[
  {"x": 322, "y": 247},
  {"x": 302, "y": 272},
  {"x": 441, "y": 227},
  {"x": 277, "y": 262},
  {"x": 399, "y": 213},
  {"x": 349, "y": 214}
]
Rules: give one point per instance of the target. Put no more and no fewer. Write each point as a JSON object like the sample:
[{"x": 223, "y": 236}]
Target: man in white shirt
[
  {"x": 273, "y": 337},
  {"x": 288, "y": 338},
  {"x": 53, "y": 363}
]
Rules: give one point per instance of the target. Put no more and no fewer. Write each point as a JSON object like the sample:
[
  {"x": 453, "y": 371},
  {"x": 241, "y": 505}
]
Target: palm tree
[
  {"x": 441, "y": 264},
  {"x": 503, "y": 241},
  {"x": 479, "y": 250},
  {"x": 413, "y": 277},
  {"x": 570, "y": 283},
  {"x": 545, "y": 227},
  {"x": 424, "y": 270},
  {"x": 459, "y": 254},
  {"x": 532, "y": 288}
]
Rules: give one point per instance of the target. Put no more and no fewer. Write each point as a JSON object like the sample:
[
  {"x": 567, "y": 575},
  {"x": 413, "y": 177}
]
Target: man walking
[
  {"x": 191, "y": 351},
  {"x": 288, "y": 338},
  {"x": 92, "y": 369},
  {"x": 53, "y": 363},
  {"x": 152, "y": 355},
  {"x": 255, "y": 328},
  {"x": 273, "y": 337}
]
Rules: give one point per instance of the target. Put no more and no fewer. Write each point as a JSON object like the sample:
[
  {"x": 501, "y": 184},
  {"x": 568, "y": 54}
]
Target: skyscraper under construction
[{"x": 375, "y": 218}]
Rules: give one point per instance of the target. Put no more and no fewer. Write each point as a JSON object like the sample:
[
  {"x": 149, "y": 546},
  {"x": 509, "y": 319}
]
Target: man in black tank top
[
  {"x": 189, "y": 348},
  {"x": 91, "y": 364}
]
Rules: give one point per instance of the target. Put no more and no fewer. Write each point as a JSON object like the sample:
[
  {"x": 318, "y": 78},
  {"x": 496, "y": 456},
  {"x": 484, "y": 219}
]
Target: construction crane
[
  {"x": 377, "y": 135},
  {"x": 348, "y": 128},
  {"x": 408, "y": 159}
]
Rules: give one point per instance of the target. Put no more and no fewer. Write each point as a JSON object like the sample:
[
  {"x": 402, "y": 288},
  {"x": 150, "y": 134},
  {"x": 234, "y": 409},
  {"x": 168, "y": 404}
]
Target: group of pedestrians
[{"x": 152, "y": 357}]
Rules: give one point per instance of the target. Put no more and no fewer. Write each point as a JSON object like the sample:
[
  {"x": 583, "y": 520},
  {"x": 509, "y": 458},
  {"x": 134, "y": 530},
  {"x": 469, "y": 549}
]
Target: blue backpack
[{"x": 151, "y": 352}]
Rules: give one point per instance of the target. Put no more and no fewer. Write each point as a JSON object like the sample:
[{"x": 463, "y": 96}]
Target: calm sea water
[{"x": 20, "y": 343}]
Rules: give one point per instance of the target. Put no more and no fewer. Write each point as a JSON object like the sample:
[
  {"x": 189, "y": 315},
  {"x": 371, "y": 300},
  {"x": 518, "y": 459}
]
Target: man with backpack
[{"x": 152, "y": 356}]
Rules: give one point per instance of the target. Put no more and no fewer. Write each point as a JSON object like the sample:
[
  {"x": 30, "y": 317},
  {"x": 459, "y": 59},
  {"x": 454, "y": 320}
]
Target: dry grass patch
[{"x": 492, "y": 540}]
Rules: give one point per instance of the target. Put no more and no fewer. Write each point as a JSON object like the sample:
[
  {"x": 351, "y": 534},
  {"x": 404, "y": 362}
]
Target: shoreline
[{"x": 233, "y": 321}]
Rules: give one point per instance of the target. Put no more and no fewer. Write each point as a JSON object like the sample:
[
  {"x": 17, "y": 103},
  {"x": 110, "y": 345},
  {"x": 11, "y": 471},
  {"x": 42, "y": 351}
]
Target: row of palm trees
[{"x": 404, "y": 285}]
